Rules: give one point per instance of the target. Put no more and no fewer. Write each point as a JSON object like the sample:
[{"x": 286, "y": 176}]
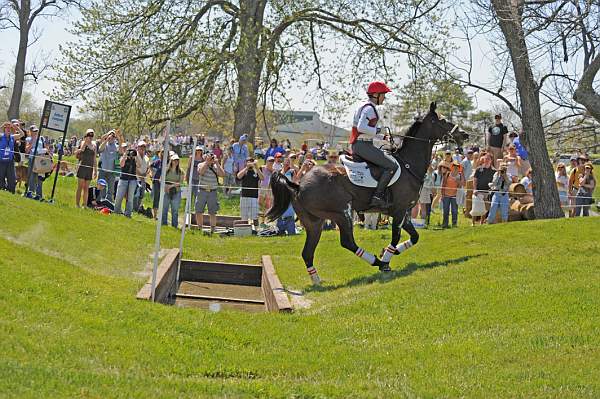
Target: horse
[{"x": 328, "y": 194}]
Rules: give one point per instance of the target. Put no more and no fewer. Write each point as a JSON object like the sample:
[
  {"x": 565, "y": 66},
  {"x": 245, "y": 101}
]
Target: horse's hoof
[
  {"x": 316, "y": 280},
  {"x": 385, "y": 268}
]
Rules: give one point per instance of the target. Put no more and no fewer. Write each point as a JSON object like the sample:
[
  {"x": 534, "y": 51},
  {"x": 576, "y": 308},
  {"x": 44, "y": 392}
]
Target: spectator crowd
[{"x": 126, "y": 171}]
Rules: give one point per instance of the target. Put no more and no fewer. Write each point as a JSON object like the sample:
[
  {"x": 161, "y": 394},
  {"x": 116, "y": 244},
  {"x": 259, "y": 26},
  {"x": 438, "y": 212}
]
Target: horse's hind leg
[
  {"x": 314, "y": 227},
  {"x": 394, "y": 248},
  {"x": 344, "y": 222}
]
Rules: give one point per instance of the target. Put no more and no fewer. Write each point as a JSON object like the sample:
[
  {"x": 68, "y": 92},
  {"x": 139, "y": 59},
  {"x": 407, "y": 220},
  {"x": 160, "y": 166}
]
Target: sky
[{"x": 54, "y": 32}]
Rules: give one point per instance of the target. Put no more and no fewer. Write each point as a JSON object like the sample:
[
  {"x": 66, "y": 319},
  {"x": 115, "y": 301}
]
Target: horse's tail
[{"x": 283, "y": 193}]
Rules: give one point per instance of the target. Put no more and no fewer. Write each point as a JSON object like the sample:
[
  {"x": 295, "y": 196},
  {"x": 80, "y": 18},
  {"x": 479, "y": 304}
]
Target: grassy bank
[{"x": 496, "y": 311}]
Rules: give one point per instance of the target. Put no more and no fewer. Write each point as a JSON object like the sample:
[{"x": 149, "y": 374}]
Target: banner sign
[{"x": 56, "y": 116}]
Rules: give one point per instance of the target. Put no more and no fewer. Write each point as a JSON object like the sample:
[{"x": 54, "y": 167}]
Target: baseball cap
[
  {"x": 89, "y": 131},
  {"x": 174, "y": 157},
  {"x": 278, "y": 155},
  {"x": 244, "y": 137},
  {"x": 199, "y": 148},
  {"x": 34, "y": 128},
  {"x": 102, "y": 182},
  {"x": 141, "y": 143},
  {"x": 270, "y": 158}
]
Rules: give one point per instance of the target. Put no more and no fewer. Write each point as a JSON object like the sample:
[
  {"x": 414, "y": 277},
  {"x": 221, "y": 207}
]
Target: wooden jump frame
[{"x": 220, "y": 274}]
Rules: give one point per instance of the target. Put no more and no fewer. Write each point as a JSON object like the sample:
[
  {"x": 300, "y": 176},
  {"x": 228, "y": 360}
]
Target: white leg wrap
[
  {"x": 403, "y": 246},
  {"x": 388, "y": 252},
  {"x": 366, "y": 256}
]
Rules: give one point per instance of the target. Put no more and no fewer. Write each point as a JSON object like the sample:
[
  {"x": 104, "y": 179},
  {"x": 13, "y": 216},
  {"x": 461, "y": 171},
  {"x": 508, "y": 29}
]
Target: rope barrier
[{"x": 78, "y": 165}]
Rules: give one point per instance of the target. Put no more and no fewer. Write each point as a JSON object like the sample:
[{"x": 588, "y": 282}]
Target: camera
[{"x": 131, "y": 153}]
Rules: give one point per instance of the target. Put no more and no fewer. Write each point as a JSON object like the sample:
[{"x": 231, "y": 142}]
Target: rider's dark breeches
[{"x": 367, "y": 151}]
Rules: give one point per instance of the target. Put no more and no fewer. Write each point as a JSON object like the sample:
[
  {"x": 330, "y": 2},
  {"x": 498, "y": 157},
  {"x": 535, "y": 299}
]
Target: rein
[{"x": 406, "y": 165}]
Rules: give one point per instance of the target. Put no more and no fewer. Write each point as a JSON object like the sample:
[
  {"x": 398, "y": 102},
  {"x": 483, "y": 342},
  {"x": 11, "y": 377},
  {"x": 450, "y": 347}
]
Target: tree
[
  {"x": 519, "y": 84},
  {"x": 453, "y": 102},
  {"x": 30, "y": 111},
  {"x": 173, "y": 58},
  {"x": 509, "y": 16},
  {"x": 22, "y": 15}
]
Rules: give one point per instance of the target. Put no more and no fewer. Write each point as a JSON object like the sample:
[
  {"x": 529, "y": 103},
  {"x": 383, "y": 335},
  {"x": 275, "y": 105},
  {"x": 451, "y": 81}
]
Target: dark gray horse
[{"x": 327, "y": 193}]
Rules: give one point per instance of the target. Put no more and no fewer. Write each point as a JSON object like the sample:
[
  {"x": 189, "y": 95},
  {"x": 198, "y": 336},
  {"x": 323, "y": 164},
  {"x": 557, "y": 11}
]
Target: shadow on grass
[{"x": 394, "y": 274}]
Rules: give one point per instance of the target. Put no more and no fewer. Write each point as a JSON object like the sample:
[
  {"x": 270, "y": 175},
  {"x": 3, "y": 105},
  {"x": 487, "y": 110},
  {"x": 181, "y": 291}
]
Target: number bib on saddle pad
[{"x": 359, "y": 173}]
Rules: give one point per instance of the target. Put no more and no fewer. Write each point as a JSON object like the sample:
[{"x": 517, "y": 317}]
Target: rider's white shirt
[{"x": 361, "y": 120}]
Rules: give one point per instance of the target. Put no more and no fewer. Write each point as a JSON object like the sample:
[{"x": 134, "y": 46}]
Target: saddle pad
[{"x": 360, "y": 174}]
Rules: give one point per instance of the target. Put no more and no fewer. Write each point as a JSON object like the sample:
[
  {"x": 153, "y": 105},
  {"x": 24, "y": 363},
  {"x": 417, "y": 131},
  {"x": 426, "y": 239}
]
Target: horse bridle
[{"x": 446, "y": 137}]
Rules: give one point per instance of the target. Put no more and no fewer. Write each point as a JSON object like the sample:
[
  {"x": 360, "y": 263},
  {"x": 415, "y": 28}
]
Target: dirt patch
[
  {"x": 147, "y": 271},
  {"x": 299, "y": 301}
]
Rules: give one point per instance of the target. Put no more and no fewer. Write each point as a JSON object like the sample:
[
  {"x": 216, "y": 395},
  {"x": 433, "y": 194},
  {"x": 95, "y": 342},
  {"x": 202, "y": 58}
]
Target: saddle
[{"x": 365, "y": 174}]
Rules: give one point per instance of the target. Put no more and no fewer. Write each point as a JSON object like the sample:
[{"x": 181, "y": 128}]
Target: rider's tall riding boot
[{"x": 378, "y": 200}]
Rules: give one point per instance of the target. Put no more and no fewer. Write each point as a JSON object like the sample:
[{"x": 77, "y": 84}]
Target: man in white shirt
[{"x": 364, "y": 129}]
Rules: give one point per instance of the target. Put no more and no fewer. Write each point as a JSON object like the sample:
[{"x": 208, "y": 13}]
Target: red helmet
[{"x": 377, "y": 87}]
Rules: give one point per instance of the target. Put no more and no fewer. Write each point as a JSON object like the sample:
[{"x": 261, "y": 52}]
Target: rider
[{"x": 364, "y": 129}]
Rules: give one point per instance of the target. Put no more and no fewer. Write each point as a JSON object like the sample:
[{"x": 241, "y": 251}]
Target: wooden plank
[
  {"x": 275, "y": 297},
  {"x": 204, "y": 304},
  {"x": 197, "y": 288},
  {"x": 218, "y": 298},
  {"x": 223, "y": 273},
  {"x": 165, "y": 278}
]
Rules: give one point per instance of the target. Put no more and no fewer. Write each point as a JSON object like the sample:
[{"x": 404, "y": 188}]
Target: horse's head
[{"x": 435, "y": 127}]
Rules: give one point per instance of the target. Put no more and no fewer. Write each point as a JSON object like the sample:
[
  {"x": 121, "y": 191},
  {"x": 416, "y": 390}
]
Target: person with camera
[
  {"x": 587, "y": 185},
  {"x": 209, "y": 172},
  {"x": 452, "y": 180},
  {"x": 172, "y": 199},
  {"x": 193, "y": 169},
  {"x": 109, "y": 153},
  {"x": 86, "y": 169},
  {"x": 500, "y": 185},
  {"x": 8, "y": 178},
  {"x": 483, "y": 176},
  {"x": 127, "y": 181},
  {"x": 35, "y": 147},
  {"x": 307, "y": 165},
  {"x": 250, "y": 177},
  {"x": 142, "y": 162}
]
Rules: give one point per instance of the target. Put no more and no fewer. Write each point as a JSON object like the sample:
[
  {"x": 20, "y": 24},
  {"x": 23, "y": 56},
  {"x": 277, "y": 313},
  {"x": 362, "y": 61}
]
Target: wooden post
[{"x": 159, "y": 220}]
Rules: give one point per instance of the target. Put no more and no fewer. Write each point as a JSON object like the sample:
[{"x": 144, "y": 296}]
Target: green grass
[{"x": 494, "y": 311}]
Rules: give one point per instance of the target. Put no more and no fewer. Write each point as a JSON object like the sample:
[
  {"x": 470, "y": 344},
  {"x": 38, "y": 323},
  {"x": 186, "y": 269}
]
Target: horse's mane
[{"x": 412, "y": 130}]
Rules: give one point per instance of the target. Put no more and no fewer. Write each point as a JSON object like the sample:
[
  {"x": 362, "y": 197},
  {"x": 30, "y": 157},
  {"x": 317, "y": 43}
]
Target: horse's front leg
[
  {"x": 344, "y": 222},
  {"x": 394, "y": 248}
]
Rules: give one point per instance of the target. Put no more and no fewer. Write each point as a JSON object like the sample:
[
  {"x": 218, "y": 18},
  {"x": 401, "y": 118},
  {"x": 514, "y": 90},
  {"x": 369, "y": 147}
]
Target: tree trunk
[
  {"x": 585, "y": 94},
  {"x": 545, "y": 193},
  {"x": 249, "y": 64},
  {"x": 17, "y": 92}
]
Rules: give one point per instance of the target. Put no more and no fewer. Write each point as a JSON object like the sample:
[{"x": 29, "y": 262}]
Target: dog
[{"x": 21, "y": 173}]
